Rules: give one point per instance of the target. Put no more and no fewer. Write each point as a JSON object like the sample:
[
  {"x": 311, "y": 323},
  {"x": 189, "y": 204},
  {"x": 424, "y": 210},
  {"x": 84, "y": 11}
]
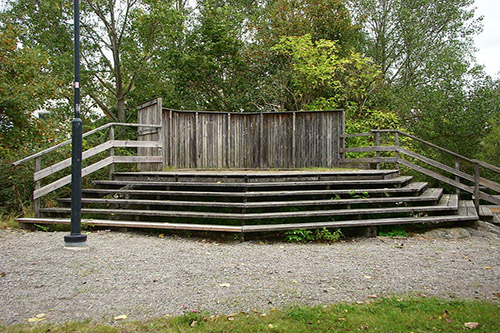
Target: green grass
[
  {"x": 8, "y": 220},
  {"x": 385, "y": 315}
]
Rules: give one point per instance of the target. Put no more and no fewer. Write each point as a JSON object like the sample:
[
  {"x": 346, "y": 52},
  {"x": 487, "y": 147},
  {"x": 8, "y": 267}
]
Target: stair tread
[
  {"x": 395, "y": 180},
  {"x": 411, "y": 187},
  {"x": 429, "y": 194},
  {"x": 465, "y": 216},
  {"x": 447, "y": 202},
  {"x": 257, "y": 173},
  {"x": 485, "y": 212}
]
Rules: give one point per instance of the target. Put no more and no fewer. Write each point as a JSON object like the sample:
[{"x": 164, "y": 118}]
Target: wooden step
[
  {"x": 448, "y": 202},
  {"x": 485, "y": 213},
  {"x": 256, "y": 175},
  {"x": 401, "y": 180},
  {"x": 466, "y": 214},
  {"x": 414, "y": 188},
  {"x": 429, "y": 195}
]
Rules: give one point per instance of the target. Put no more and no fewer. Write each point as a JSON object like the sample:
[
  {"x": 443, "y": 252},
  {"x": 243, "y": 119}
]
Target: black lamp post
[{"x": 75, "y": 238}]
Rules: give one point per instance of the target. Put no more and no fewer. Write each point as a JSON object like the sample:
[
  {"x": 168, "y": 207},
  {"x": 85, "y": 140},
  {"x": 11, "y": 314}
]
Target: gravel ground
[{"x": 145, "y": 276}]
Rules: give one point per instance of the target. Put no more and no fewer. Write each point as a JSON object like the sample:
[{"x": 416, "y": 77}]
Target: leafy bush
[{"x": 305, "y": 235}]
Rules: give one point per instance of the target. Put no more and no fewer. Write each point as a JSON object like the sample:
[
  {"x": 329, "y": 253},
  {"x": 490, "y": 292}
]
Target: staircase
[{"x": 258, "y": 201}]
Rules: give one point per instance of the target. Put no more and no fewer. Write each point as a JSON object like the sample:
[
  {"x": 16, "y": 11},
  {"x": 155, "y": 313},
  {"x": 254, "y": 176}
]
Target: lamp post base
[{"x": 75, "y": 240}]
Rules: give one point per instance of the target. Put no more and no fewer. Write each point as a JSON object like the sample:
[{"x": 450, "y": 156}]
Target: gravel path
[{"x": 147, "y": 276}]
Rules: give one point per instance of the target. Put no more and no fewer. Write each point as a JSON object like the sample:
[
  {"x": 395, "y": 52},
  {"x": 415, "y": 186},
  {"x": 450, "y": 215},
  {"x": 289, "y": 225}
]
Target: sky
[{"x": 488, "y": 42}]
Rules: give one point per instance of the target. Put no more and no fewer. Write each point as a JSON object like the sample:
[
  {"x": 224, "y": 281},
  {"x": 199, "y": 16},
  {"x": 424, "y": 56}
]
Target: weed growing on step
[{"x": 305, "y": 235}]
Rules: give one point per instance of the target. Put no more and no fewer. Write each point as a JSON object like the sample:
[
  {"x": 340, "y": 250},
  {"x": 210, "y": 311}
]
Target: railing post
[
  {"x": 457, "y": 178},
  {"x": 377, "y": 143},
  {"x": 476, "y": 186},
  {"x": 111, "y": 151},
  {"x": 396, "y": 144},
  {"x": 36, "y": 202}
]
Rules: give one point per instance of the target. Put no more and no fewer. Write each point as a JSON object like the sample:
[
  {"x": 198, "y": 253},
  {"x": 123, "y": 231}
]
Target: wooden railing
[
  {"x": 397, "y": 153},
  {"x": 109, "y": 145}
]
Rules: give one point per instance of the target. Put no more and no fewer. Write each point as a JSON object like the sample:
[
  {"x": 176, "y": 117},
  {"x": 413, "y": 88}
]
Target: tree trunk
[{"x": 121, "y": 109}]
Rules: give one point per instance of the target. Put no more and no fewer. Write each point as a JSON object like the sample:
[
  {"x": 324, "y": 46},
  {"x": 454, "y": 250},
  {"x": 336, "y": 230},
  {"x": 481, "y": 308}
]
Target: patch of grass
[
  {"x": 8, "y": 220},
  {"x": 386, "y": 315}
]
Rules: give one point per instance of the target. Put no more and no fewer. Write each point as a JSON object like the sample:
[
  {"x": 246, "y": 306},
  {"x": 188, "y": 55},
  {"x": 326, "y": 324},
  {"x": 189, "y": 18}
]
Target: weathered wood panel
[
  {"x": 150, "y": 113},
  {"x": 202, "y": 139}
]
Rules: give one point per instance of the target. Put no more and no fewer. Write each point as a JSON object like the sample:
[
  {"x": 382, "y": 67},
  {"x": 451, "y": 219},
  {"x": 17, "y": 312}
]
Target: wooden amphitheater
[{"x": 259, "y": 172}]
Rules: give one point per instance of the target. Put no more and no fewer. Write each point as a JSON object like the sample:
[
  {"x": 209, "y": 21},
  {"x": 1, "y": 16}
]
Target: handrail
[
  {"x": 458, "y": 174},
  {"x": 67, "y": 142},
  {"x": 487, "y": 165},
  {"x": 427, "y": 143}
]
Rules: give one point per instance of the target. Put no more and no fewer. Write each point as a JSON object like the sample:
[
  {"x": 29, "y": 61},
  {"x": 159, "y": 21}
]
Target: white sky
[{"x": 488, "y": 42}]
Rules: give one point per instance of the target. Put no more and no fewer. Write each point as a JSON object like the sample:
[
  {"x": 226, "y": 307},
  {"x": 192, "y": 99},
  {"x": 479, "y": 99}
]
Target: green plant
[
  {"x": 324, "y": 234},
  {"x": 304, "y": 235},
  {"x": 392, "y": 231},
  {"x": 42, "y": 227},
  {"x": 299, "y": 236}
]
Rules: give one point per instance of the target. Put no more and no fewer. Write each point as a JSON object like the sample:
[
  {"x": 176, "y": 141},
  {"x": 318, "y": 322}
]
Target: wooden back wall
[{"x": 202, "y": 139}]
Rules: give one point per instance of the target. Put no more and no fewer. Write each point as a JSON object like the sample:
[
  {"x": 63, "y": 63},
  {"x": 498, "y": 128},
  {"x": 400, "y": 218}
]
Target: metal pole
[{"x": 75, "y": 238}]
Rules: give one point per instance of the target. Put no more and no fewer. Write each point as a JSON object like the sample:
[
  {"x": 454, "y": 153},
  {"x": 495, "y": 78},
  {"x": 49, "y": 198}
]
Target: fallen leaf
[
  {"x": 471, "y": 325},
  {"x": 121, "y": 317},
  {"x": 368, "y": 277},
  {"x": 372, "y": 296},
  {"x": 35, "y": 320},
  {"x": 487, "y": 268},
  {"x": 3, "y": 274},
  {"x": 225, "y": 285},
  {"x": 341, "y": 319},
  {"x": 230, "y": 318},
  {"x": 161, "y": 235},
  {"x": 270, "y": 326},
  {"x": 193, "y": 323},
  {"x": 40, "y": 315}
]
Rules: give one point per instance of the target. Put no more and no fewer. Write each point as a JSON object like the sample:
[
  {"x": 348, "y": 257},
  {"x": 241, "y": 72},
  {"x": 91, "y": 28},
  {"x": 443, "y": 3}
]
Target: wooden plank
[
  {"x": 443, "y": 206},
  {"x": 436, "y": 164},
  {"x": 436, "y": 175},
  {"x": 66, "y": 180},
  {"x": 137, "y": 224},
  {"x": 428, "y": 195},
  {"x": 490, "y": 198},
  {"x": 412, "y": 188},
  {"x": 359, "y": 223},
  {"x": 369, "y": 160},
  {"x": 137, "y": 159},
  {"x": 346, "y": 183},
  {"x": 487, "y": 165},
  {"x": 435, "y": 146},
  {"x": 67, "y": 162},
  {"x": 369, "y": 149},
  {"x": 356, "y": 135}
]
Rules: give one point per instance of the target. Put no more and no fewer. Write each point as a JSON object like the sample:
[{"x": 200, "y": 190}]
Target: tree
[
  {"x": 119, "y": 39},
  {"x": 321, "y": 74},
  {"x": 24, "y": 87},
  {"x": 414, "y": 40}
]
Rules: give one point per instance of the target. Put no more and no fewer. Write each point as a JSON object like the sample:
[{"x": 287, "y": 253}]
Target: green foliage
[
  {"x": 322, "y": 75},
  {"x": 305, "y": 235},
  {"x": 392, "y": 231},
  {"x": 24, "y": 87},
  {"x": 491, "y": 144}
]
